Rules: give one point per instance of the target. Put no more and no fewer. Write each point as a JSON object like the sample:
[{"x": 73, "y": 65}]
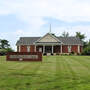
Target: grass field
[{"x": 54, "y": 73}]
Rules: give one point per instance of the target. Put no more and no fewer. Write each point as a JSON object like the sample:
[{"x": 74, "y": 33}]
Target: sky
[{"x": 25, "y": 18}]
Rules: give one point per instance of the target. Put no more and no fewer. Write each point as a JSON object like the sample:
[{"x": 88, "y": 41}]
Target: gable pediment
[{"x": 48, "y": 38}]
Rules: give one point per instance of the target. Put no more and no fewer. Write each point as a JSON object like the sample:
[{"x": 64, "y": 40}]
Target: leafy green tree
[
  {"x": 5, "y": 47},
  {"x": 85, "y": 44},
  {"x": 9, "y": 50},
  {"x": 86, "y": 51},
  {"x": 4, "y": 44},
  {"x": 81, "y": 36},
  {"x": 65, "y": 34}
]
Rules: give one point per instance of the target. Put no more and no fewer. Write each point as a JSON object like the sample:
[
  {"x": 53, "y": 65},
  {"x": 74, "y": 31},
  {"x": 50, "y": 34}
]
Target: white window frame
[
  {"x": 28, "y": 48},
  {"x": 69, "y": 48},
  {"x": 40, "y": 49}
]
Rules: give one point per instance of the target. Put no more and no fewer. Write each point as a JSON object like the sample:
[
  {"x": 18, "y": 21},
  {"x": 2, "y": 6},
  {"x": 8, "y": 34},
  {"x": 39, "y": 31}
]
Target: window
[
  {"x": 69, "y": 48},
  {"x": 28, "y": 48},
  {"x": 40, "y": 49}
]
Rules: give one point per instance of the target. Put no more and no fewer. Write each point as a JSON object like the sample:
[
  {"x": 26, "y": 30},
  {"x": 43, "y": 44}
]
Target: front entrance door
[{"x": 48, "y": 49}]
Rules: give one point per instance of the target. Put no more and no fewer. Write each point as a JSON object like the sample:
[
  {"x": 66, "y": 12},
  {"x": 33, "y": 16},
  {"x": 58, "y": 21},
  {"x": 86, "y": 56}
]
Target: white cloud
[
  {"x": 33, "y": 11},
  {"x": 61, "y": 9}
]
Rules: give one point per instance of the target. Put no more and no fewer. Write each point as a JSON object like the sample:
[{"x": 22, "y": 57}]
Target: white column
[
  {"x": 52, "y": 48},
  {"x": 78, "y": 48},
  {"x": 43, "y": 49},
  {"x": 61, "y": 48},
  {"x": 35, "y": 48}
]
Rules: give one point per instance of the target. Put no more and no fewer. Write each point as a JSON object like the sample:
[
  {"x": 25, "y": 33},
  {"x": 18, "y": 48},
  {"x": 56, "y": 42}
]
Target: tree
[
  {"x": 5, "y": 47},
  {"x": 4, "y": 44},
  {"x": 65, "y": 34},
  {"x": 9, "y": 50},
  {"x": 86, "y": 51},
  {"x": 5, "y": 51},
  {"x": 81, "y": 36}
]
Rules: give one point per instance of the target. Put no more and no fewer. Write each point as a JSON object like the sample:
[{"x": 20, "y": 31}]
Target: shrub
[
  {"x": 44, "y": 54},
  {"x": 51, "y": 53},
  {"x": 72, "y": 53},
  {"x": 86, "y": 51},
  {"x": 5, "y": 51},
  {"x": 57, "y": 53}
]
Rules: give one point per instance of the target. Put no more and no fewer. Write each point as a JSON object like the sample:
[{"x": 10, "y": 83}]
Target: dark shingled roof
[
  {"x": 64, "y": 40},
  {"x": 27, "y": 40},
  {"x": 70, "y": 40}
]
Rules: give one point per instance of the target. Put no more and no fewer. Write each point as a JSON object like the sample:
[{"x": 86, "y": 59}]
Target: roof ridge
[{"x": 28, "y": 37}]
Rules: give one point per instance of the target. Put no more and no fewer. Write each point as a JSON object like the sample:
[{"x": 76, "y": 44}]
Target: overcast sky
[{"x": 20, "y": 18}]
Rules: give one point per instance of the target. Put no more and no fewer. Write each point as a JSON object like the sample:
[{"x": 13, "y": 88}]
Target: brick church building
[{"x": 50, "y": 43}]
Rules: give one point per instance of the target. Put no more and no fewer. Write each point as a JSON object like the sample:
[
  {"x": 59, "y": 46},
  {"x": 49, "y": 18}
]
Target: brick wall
[
  {"x": 23, "y": 48},
  {"x": 65, "y": 49},
  {"x": 32, "y": 48},
  {"x": 74, "y": 48},
  {"x": 81, "y": 49}
]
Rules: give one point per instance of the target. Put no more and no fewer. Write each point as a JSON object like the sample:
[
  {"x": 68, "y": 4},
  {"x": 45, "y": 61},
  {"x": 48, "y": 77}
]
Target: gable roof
[
  {"x": 51, "y": 37},
  {"x": 64, "y": 40}
]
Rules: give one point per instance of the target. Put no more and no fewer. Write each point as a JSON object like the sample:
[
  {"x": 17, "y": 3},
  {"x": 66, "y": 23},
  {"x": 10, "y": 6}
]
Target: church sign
[{"x": 24, "y": 56}]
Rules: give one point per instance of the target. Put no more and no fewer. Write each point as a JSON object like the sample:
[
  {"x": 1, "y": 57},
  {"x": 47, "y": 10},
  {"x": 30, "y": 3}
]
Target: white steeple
[{"x": 50, "y": 29}]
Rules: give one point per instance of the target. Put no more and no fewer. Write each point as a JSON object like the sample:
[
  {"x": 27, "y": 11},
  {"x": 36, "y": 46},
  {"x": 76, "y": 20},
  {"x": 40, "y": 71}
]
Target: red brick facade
[
  {"x": 18, "y": 56},
  {"x": 23, "y": 48},
  {"x": 56, "y": 49},
  {"x": 64, "y": 49},
  {"x": 32, "y": 48},
  {"x": 74, "y": 49}
]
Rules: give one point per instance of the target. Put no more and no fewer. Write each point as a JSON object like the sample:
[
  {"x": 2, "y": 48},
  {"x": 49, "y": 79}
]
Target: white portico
[{"x": 49, "y": 44}]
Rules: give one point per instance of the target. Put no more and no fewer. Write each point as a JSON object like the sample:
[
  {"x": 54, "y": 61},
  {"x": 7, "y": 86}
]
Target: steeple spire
[{"x": 50, "y": 29}]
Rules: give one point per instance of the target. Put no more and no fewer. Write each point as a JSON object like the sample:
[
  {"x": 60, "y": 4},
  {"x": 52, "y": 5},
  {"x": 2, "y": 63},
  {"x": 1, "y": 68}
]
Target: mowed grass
[{"x": 53, "y": 73}]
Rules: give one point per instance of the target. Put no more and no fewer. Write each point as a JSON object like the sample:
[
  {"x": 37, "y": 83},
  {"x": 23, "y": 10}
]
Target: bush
[
  {"x": 9, "y": 50},
  {"x": 57, "y": 53},
  {"x": 51, "y": 53},
  {"x": 72, "y": 53},
  {"x": 44, "y": 54},
  {"x": 5, "y": 51},
  {"x": 86, "y": 51}
]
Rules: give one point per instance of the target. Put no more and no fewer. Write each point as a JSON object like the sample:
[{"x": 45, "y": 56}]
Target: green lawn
[{"x": 54, "y": 73}]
